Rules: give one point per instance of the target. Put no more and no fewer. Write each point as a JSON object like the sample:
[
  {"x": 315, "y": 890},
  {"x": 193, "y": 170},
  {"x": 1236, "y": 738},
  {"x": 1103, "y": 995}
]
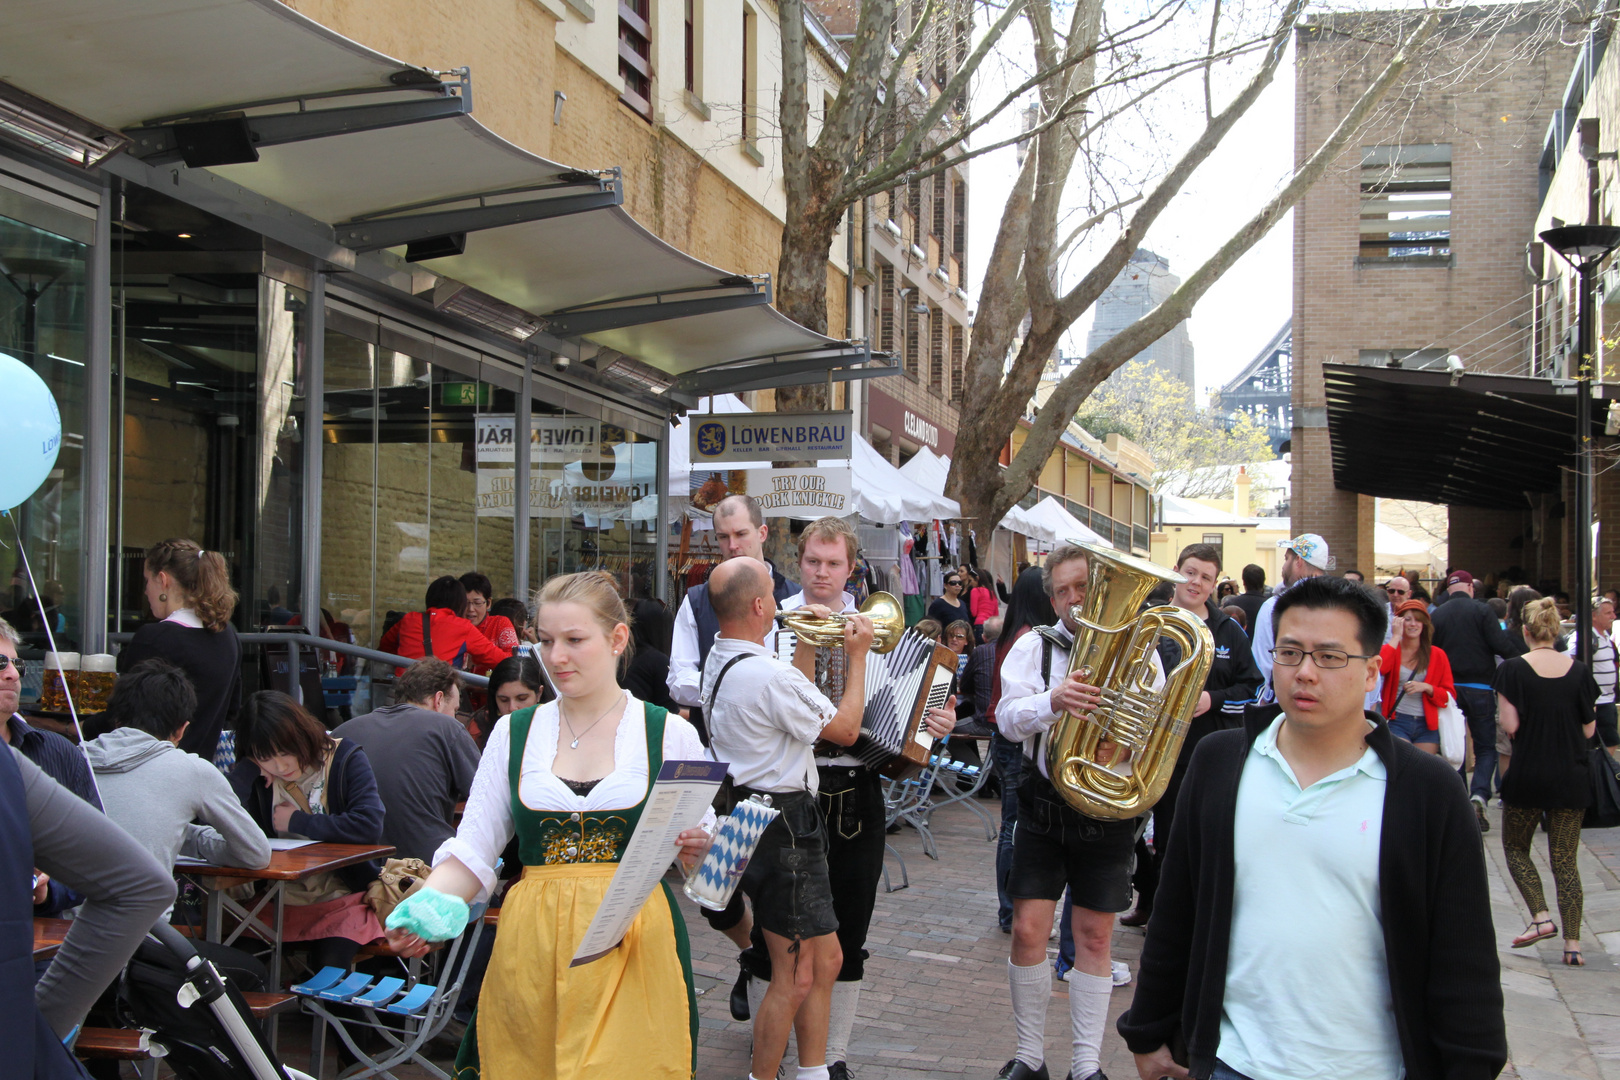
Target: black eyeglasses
[
  {"x": 953, "y": 581},
  {"x": 5, "y": 662},
  {"x": 1327, "y": 659}
]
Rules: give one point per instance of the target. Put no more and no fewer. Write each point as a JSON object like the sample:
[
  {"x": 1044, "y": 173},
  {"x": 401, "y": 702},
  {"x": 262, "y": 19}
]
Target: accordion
[{"x": 901, "y": 686}]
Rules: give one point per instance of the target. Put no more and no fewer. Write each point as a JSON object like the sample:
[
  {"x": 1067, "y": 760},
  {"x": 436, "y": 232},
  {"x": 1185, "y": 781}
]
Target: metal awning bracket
[
  {"x": 585, "y": 319},
  {"x": 229, "y": 136},
  {"x": 374, "y": 232}
]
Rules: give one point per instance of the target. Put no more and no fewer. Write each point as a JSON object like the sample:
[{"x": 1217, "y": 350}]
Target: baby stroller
[{"x": 200, "y": 1022}]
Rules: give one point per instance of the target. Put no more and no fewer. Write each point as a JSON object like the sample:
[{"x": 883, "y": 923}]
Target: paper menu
[{"x": 679, "y": 797}]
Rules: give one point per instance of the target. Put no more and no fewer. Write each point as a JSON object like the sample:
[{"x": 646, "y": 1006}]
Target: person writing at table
[
  {"x": 570, "y": 778},
  {"x": 299, "y": 782}
]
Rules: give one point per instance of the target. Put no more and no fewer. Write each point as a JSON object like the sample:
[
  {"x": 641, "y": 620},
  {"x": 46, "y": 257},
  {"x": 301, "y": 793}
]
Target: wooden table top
[
  {"x": 299, "y": 863},
  {"x": 48, "y": 935}
]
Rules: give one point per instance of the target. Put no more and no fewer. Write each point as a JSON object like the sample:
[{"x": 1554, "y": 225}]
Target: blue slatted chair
[{"x": 404, "y": 1022}]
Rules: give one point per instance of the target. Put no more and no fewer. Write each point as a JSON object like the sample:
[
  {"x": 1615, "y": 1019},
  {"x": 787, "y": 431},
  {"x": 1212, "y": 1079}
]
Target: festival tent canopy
[
  {"x": 930, "y": 470},
  {"x": 1060, "y": 525}
]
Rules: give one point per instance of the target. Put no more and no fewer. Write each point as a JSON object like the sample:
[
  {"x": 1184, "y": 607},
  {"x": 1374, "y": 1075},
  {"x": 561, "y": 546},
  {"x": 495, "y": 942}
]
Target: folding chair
[
  {"x": 405, "y": 1012},
  {"x": 959, "y": 782}
]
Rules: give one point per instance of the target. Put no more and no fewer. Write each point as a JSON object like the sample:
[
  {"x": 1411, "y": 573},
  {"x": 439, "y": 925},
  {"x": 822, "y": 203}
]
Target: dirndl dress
[{"x": 629, "y": 1013}]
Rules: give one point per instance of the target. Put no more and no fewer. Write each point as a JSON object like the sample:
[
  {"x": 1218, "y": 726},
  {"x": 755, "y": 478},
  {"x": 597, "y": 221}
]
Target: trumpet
[{"x": 884, "y": 609}]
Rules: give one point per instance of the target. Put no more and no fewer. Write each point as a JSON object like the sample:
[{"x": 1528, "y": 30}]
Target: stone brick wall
[{"x": 1494, "y": 126}]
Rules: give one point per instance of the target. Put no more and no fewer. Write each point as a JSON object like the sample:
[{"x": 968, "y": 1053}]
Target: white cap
[
  {"x": 62, "y": 661},
  {"x": 100, "y": 662}
]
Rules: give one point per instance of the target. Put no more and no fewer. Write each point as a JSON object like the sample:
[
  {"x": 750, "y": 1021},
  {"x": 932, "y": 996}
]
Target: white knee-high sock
[
  {"x": 841, "y": 1019},
  {"x": 1088, "y": 1016},
  {"x": 1031, "y": 992}
]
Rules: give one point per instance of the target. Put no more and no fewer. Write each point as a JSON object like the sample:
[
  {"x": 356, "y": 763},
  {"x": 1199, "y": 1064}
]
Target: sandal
[
  {"x": 1573, "y": 958},
  {"x": 1531, "y": 935}
]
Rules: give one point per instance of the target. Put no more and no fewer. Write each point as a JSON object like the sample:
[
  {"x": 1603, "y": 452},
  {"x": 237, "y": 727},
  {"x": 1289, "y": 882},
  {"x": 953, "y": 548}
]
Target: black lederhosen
[{"x": 786, "y": 878}]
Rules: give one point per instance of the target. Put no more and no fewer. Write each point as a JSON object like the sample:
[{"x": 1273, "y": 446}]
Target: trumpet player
[
  {"x": 851, "y": 794},
  {"x": 1055, "y": 846}
]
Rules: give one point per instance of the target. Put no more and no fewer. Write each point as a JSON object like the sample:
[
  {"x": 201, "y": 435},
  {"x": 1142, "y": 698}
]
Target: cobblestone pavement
[{"x": 936, "y": 1005}]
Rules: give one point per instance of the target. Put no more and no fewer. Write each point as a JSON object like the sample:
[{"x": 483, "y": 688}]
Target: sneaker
[
  {"x": 1479, "y": 812},
  {"x": 1017, "y": 1070},
  {"x": 1121, "y": 971},
  {"x": 838, "y": 1070}
]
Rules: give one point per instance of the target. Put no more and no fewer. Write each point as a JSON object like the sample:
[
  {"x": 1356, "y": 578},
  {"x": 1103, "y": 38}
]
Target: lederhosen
[{"x": 787, "y": 878}]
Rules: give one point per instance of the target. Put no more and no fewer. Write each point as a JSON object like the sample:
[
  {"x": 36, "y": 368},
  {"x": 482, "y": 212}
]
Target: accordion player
[{"x": 907, "y": 675}]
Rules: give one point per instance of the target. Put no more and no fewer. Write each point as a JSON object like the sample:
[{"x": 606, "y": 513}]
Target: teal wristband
[{"x": 430, "y": 914}]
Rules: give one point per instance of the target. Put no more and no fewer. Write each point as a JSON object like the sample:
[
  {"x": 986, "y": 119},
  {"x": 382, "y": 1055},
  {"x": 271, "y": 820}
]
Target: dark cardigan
[
  {"x": 1438, "y": 936},
  {"x": 354, "y": 810}
]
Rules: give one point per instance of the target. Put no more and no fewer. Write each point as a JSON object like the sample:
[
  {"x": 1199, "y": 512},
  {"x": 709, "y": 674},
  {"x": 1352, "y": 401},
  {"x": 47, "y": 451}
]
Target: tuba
[
  {"x": 888, "y": 623},
  {"x": 1115, "y": 763}
]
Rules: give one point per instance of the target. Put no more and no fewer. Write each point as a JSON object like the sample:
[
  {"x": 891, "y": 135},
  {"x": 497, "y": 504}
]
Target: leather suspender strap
[{"x": 427, "y": 633}]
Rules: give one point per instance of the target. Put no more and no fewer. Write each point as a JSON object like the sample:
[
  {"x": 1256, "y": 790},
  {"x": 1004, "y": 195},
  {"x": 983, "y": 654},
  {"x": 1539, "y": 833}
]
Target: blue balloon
[{"x": 30, "y": 432}]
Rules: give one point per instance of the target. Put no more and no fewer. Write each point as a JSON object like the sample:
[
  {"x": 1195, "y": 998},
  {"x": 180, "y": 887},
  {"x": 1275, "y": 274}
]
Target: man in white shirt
[
  {"x": 1306, "y": 555},
  {"x": 765, "y": 718},
  {"x": 1055, "y": 845},
  {"x": 851, "y": 793},
  {"x": 1603, "y": 668},
  {"x": 1324, "y": 908},
  {"x": 740, "y": 531}
]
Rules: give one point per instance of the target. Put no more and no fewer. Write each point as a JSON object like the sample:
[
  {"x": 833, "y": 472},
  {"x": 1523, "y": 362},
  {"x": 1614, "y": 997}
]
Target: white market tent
[
  {"x": 881, "y": 493},
  {"x": 930, "y": 470},
  {"x": 1061, "y": 525}
]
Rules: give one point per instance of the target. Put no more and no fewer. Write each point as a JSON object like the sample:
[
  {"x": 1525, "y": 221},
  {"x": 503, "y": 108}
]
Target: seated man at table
[
  {"x": 422, "y": 756},
  {"x": 173, "y": 802}
]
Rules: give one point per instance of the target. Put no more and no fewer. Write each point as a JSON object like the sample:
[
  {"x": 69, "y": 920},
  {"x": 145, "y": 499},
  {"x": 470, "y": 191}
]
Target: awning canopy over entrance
[
  {"x": 387, "y": 157},
  {"x": 1468, "y": 440}
]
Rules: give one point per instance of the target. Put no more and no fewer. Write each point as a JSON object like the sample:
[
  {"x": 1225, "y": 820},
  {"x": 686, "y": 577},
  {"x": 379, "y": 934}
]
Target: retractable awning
[
  {"x": 1468, "y": 440},
  {"x": 388, "y": 157}
]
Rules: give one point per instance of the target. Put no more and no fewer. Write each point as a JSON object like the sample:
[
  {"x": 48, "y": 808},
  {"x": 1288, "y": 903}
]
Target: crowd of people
[{"x": 1307, "y": 804}]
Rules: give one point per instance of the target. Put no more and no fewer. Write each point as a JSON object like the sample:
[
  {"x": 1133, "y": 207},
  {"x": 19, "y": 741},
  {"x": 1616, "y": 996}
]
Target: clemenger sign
[{"x": 769, "y": 436}]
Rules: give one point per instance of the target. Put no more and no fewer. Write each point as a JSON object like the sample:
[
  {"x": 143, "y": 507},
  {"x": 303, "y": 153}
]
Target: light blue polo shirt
[{"x": 1307, "y": 987}]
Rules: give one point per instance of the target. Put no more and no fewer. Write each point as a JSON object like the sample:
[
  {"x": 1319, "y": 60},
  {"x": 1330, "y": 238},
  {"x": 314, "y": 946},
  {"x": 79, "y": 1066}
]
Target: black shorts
[
  {"x": 787, "y": 877},
  {"x": 1054, "y": 845}
]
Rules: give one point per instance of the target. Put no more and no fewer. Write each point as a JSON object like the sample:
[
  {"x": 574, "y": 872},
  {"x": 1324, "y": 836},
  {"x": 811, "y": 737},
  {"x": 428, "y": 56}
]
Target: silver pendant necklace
[{"x": 575, "y": 744}]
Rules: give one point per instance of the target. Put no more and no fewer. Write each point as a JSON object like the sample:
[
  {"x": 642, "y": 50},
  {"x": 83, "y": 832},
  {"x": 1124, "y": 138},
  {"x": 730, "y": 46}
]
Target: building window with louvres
[
  {"x": 913, "y": 344},
  {"x": 1406, "y": 202},
  {"x": 635, "y": 55},
  {"x": 958, "y": 363},
  {"x": 936, "y": 351}
]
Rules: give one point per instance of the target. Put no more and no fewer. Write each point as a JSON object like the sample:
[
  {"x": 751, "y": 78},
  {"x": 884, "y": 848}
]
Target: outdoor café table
[
  {"x": 287, "y": 865},
  {"x": 48, "y": 935}
]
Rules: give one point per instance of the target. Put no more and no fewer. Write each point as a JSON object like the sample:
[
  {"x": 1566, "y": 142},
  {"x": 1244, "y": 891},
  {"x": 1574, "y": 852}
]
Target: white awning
[
  {"x": 1063, "y": 526},
  {"x": 132, "y": 64}
]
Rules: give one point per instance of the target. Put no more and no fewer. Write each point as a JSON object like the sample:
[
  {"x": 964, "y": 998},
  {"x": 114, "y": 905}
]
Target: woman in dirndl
[{"x": 570, "y": 778}]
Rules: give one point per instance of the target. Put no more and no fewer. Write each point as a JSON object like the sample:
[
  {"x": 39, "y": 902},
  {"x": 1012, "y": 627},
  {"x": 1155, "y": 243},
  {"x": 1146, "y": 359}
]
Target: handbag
[
  {"x": 398, "y": 878},
  {"x": 1453, "y": 733},
  {"x": 1604, "y": 810}
]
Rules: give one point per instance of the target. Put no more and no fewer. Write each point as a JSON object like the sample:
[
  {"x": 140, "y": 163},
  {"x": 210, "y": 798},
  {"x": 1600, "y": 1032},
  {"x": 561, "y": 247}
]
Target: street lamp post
[{"x": 1584, "y": 247}]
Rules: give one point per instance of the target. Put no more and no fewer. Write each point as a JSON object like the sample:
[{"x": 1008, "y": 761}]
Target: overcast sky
[{"x": 1242, "y": 311}]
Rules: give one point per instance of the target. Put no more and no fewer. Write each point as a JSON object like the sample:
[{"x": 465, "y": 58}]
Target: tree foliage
[{"x": 1186, "y": 442}]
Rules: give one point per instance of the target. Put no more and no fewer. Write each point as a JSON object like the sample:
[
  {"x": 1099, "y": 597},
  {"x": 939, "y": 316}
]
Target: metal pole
[
  {"x": 520, "y": 480},
  {"x": 314, "y": 446},
  {"x": 1583, "y": 469},
  {"x": 97, "y": 427},
  {"x": 660, "y": 575}
]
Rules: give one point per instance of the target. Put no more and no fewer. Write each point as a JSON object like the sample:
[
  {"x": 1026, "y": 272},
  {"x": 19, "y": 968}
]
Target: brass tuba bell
[
  {"x": 1116, "y": 762},
  {"x": 887, "y": 615}
]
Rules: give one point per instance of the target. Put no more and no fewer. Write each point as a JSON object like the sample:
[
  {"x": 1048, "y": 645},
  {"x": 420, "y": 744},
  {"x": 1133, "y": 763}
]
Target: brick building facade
[{"x": 1456, "y": 167}]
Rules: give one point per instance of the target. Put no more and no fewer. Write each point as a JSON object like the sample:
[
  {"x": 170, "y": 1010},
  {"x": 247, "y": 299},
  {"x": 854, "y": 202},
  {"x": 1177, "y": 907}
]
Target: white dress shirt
[
  {"x": 787, "y": 641},
  {"x": 1025, "y": 711},
  {"x": 487, "y": 826},
  {"x": 765, "y": 719}
]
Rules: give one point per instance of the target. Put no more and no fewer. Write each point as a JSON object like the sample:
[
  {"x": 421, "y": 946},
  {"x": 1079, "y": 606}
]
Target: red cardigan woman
[
  {"x": 1414, "y": 673},
  {"x": 454, "y": 638}
]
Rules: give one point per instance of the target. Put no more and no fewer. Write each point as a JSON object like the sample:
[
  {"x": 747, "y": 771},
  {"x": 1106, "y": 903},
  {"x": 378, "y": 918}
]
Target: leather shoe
[
  {"x": 1017, "y": 1070},
  {"x": 838, "y": 1070},
  {"x": 1139, "y": 917},
  {"x": 739, "y": 996},
  {"x": 1098, "y": 1075}
]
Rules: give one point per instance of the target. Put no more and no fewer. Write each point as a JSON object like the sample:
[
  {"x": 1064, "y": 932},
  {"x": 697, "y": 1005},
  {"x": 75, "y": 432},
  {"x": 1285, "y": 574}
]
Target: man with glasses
[
  {"x": 1324, "y": 907},
  {"x": 1468, "y": 633},
  {"x": 1055, "y": 846},
  {"x": 1306, "y": 555}
]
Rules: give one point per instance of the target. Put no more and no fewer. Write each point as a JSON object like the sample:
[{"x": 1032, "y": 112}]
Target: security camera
[{"x": 559, "y": 363}]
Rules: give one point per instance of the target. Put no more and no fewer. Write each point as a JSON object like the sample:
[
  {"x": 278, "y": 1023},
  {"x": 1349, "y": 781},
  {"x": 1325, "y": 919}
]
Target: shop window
[
  {"x": 42, "y": 324},
  {"x": 635, "y": 55},
  {"x": 1406, "y": 201}
]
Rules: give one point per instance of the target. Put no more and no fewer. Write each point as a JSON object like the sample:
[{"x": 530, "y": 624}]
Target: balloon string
[{"x": 45, "y": 620}]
